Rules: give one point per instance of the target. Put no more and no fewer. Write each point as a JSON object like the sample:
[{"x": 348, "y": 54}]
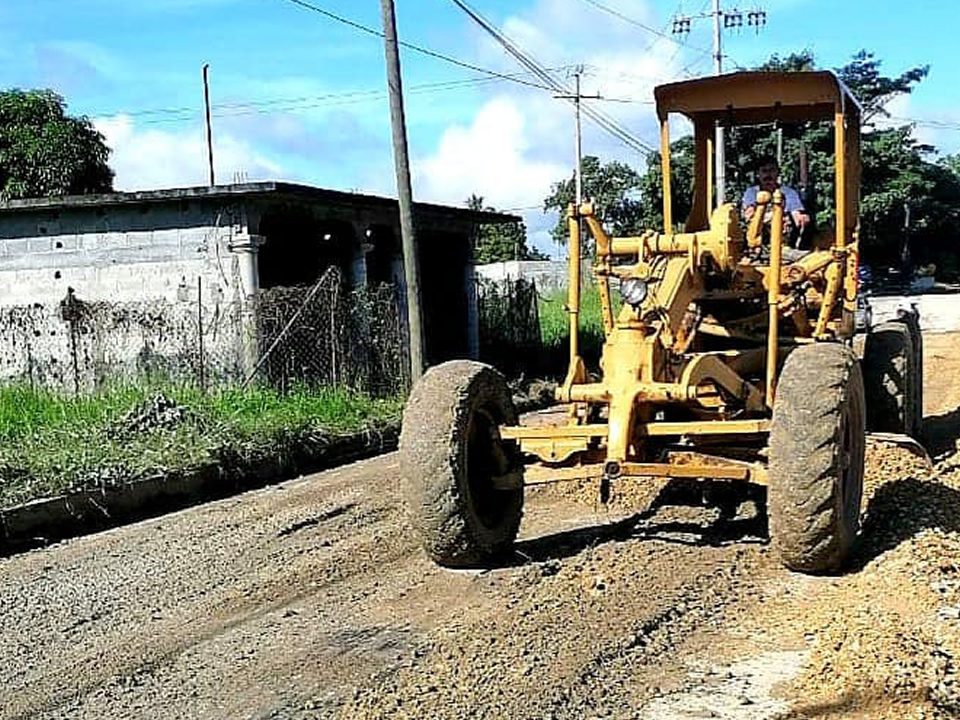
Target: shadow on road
[
  {"x": 899, "y": 510},
  {"x": 904, "y": 507},
  {"x": 870, "y": 705},
  {"x": 941, "y": 432},
  {"x": 657, "y": 522}
]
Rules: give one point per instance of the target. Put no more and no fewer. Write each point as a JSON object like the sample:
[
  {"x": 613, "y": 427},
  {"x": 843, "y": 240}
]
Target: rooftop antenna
[{"x": 206, "y": 103}]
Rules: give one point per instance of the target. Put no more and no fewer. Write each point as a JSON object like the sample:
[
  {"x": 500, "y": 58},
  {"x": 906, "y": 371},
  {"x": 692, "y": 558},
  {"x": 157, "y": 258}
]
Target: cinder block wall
[{"x": 134, "y": 271}]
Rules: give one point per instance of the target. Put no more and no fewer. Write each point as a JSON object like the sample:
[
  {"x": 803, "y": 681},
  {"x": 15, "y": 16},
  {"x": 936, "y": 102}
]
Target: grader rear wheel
[
  {"x": 893, "y": 379},
  {"x": 450, "y": 455},
  {"x": 817, "y": 447}
]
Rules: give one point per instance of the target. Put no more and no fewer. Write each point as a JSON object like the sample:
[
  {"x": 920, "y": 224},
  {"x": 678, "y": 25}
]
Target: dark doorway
[
  {"x": 443, "y": 262},
  {"x": 299, "y": 246}
]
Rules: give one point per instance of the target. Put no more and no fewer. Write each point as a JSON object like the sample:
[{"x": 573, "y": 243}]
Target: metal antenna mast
[{"x": 722, "y": 20}]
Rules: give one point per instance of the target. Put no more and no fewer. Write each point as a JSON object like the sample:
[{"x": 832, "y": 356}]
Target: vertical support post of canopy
[
  {"x": 840, "y": 155},
  {"x": 711, "y": 206},
  {"x": 665, "y": 164}
]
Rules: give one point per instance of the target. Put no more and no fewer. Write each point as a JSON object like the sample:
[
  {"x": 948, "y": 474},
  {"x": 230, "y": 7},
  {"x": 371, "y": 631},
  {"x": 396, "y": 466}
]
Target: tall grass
[
  {"x": 51, "y": 442},
  {"x": 555, "y": 325}
]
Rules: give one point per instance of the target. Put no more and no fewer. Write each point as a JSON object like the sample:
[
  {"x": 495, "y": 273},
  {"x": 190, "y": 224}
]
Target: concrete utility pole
[
  {"x": 578, "y": 147},
  {"x": 720, "y": 161},
  {"x": 411, "y": 267},
  {"x": 206, "y": 103},
  {"x": 577, "y": 98},
  {"x": 731, "y": 19}
]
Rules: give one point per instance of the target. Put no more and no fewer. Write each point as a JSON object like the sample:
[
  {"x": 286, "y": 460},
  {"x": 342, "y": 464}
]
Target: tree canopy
[
  {"x": 900, "y": 175},
  {"x": 614, "y": 187},
  {"x": 45, "y": 152},
  {"x": 498, "y": 243}
]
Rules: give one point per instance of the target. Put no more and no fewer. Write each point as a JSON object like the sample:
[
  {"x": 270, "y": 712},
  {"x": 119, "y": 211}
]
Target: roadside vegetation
[
  {"x": 555, "y": 326},
  {"x": 52, "y": 443}
]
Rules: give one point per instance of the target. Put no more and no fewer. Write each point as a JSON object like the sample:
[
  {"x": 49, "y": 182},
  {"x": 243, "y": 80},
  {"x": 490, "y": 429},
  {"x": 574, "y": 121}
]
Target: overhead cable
[
  {"x": 599, "y": 118},
  {"x": 410, "y": 46}
]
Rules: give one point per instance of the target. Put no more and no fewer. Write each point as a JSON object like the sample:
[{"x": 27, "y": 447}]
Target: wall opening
[{"x": 299, "y": 246}]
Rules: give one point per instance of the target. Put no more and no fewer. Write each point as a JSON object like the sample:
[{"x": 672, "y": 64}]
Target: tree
[
  {"x": 613, "y": 186},
  {"x": 873, "y": 90},
  {"x": 681, "y": 185},
  {"x": 897, "y": 172},
  {"x": 44, "y": 152},
  {"x": 497, "y": 243}
]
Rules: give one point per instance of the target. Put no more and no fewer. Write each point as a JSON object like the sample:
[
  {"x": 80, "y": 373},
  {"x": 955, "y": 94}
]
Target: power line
[
  {"x": 304, "y": 102},
  {"x": 643, "y": 26},
  {"x": 410, "y": 46},
  {"x": 927, "y": 122},
  {"x": 599, "y": 118}
]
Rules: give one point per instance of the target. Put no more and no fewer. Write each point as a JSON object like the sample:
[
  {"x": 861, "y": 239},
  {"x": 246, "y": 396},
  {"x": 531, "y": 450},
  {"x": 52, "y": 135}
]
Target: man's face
[{"x": 767, "y": 177}]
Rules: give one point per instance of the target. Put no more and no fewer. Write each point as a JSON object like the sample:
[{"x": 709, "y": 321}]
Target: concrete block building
[{"x": 128, "y": 260}]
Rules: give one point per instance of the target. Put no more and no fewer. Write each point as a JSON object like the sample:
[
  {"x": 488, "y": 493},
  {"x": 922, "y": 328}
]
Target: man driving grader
[
  {"x": 768, "y": 180},
  {"x": 717, "y": 366}
]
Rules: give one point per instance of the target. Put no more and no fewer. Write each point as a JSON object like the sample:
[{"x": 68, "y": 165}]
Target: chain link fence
[
  {"x": 510, "y": 326},
  {"x": 327, "y": 336}
]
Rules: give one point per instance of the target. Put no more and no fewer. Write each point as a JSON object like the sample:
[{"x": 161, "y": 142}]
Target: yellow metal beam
[
  {"x": 654, "y": 429},
  {"x": 665, "y": 165},
  {"x": 773, "y": 295},
  {"x": 545, "y": 474}
]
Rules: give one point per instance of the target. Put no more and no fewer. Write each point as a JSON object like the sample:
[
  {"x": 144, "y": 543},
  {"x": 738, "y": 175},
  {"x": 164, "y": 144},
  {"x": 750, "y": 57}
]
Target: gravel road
[{"x": 309, "y": 600}]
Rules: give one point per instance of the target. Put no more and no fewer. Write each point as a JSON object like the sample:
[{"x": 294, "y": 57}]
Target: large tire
[
  {"x": 912, "y": 321},
  {"x": 892, "y": 379},
  {"x": 816, "y": 458},
  {"x": 450, "y": 451}
]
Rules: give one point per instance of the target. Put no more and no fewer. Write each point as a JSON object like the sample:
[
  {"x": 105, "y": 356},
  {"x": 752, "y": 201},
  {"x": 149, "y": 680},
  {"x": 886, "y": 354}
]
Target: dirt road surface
[{"x": 309, "y": 600}]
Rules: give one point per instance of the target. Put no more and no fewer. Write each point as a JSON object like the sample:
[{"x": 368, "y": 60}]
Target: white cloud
[
  {"x": 490, "y": 158},
  {"x": 146, "y": 159},
  {"x": 521, "y": 142},
  {"x": 938, "y": 129}
]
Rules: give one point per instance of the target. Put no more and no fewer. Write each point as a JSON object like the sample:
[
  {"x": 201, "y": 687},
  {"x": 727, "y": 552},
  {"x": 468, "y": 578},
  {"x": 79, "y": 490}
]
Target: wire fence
[
  {"x": 324, "y": 335},
  {"x": 510, "y": 337}
]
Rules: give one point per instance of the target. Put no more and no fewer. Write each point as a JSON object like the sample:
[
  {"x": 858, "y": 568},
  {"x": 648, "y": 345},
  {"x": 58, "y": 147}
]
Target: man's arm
[
  {"x": 794, "y": 206},
  {"x": 749, "y": 203}
]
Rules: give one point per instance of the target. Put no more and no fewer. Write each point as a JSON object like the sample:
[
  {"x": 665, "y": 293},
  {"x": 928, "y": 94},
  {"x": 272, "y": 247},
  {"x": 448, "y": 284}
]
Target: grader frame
[
  {"x": 730, "y": 359},
  {"x": 650, "y": 357}
]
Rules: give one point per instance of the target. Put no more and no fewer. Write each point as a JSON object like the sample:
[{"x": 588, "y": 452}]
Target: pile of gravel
[{"x": 896, "y": 655}]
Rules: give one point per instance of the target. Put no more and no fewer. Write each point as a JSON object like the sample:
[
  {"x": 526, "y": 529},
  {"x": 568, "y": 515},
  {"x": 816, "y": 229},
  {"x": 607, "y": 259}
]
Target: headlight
[{"x": 633, "y": 291}]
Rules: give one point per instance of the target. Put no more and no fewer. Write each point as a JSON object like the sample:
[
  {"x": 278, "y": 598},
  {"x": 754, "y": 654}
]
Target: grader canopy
[
  {"x": 730, "y": 359},
  {"x": 755, "y": 98}
]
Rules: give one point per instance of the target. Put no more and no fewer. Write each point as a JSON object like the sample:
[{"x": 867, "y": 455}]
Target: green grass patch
[
  {"x": 52, "y": 443},
  {"x": 555, "y": 325}
]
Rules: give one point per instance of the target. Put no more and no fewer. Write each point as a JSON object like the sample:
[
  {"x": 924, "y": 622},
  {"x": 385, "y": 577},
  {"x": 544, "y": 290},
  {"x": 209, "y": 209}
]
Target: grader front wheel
[
  {"x": 454, "y": 467},
  {"x": 817, "y": 444}
]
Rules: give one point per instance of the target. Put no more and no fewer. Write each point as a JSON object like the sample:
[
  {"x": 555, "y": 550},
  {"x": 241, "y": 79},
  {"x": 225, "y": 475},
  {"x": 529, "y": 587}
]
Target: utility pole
[
  {"x": 578, "y": 97},
  {"x": 411, "y": 267},
  {"x": 721, "y": 159},
  {"x": 578, "y": 147},
  {"x": 206, "y": 103},
  {"x": 730, "y": 19}
]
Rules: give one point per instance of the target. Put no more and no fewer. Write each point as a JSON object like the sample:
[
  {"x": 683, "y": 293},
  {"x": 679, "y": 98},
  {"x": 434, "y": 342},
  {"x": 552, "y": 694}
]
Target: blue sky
[{"x": 299, "y": 97}]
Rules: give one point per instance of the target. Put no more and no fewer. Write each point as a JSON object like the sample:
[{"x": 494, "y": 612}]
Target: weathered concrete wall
[
  {"x": 123, "y": 253},
  {"x": 548, "y": 275},
  {"x": 938, "y": 312},
  {"x": 139, "y": 277}
]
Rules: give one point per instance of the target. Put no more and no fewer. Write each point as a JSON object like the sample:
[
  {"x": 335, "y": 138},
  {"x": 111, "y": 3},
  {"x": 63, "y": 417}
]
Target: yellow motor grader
[{"x": 730, "y": 358}]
